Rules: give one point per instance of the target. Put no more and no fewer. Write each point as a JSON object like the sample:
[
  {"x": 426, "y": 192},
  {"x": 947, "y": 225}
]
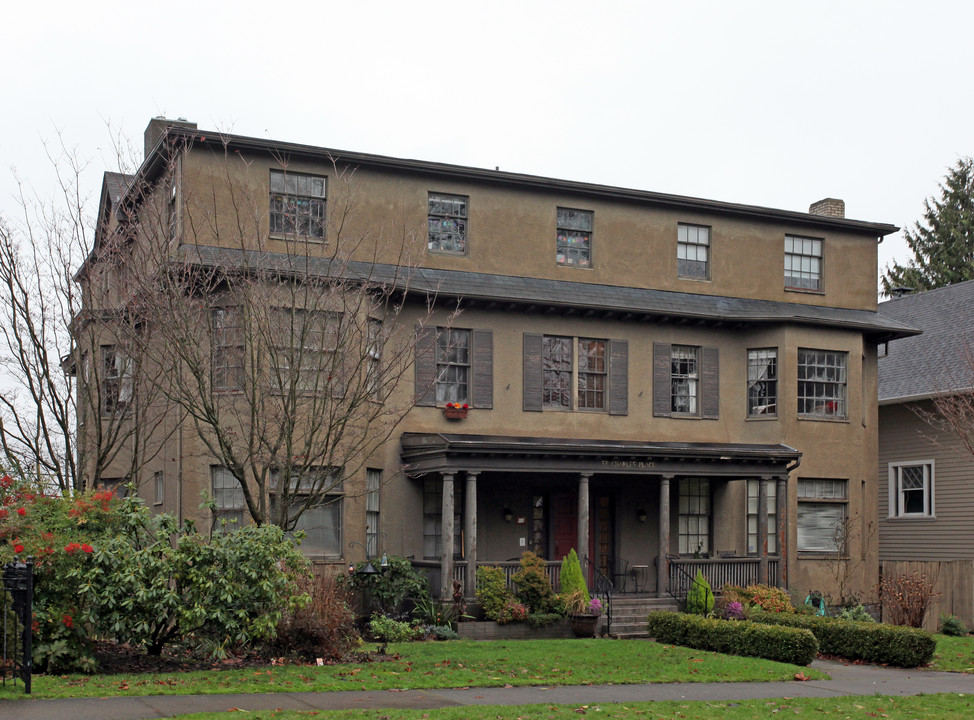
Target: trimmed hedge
[
  {"x": 873, "y": 642},
  {"x": 733, "y": 637}
]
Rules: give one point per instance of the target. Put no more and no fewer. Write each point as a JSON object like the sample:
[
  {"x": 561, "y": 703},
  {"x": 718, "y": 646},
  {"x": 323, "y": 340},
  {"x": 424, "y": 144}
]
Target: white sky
[{"x": 766, "y": 103}]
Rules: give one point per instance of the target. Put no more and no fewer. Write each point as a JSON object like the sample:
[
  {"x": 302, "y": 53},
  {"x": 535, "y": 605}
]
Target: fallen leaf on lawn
[{"x": 802, "y": 677}]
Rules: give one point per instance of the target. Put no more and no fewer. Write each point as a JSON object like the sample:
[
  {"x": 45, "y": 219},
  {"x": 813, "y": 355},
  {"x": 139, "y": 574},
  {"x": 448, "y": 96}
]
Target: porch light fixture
[
  {"x": 641, "y": 514},
  {"x": 508, "y": 514}
]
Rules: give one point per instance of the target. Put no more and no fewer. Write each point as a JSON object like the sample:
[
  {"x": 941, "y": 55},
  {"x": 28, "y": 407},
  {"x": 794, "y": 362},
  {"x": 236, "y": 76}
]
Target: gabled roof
[
  {"x": 935, "y": 362},
  {"x": 538, "y": 295}
]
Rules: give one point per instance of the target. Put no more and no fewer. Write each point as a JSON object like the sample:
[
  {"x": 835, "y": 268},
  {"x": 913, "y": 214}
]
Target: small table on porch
[{"x": 639, "y": 575}]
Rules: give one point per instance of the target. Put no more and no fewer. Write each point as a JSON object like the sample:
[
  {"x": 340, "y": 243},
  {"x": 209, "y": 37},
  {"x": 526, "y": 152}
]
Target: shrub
[
  {"x": 385, "y": 629},
  {"x": 512, "y": 612},
  {"x": 533, "y": 585},
  {"x": 872, "y": 642},
  {"x": 734, "y": 611},
  {"x": 770, "y": 599},
  {"x": 492, "y": 591},
  {"x": 792, "y": 645},
  {"x": 537, "y": 620},
  {"x": 952, "y": 625},
  {"x": 389, "y": 589},
  {"x": 324, "y": 628},
  {"x": 445, "y": 632},
  {"x": 856, "y": 614},
  {"x": 572, "y": 580},
  {"x": 906, "y": 598},
  {"x": 431, "y": 612},
  {"x": 700, "y": 599}
]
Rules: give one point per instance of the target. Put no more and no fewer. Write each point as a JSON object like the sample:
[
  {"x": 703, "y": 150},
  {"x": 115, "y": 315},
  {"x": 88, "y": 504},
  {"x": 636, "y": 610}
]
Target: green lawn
[
  {"x": 954, "y": 654},
  {"x": 923, "y": 707},
  {"x": 445, "y": 665}
]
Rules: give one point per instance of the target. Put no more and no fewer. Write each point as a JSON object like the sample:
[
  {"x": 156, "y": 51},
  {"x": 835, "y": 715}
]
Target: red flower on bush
[
  {"x": 6, "y": 481},
  {"x": 85, "y": 547},
  {"x": 18, "y": 549},
  {"x": 21, "y": 511},
  {"x": 3, "y": 513},
  {"x": 71, "y": 547},
  {"x": 67, "y": 620}
]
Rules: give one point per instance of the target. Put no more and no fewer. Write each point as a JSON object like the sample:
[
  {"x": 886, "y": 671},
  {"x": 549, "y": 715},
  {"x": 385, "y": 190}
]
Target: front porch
[{"x": 643, "y": 517}]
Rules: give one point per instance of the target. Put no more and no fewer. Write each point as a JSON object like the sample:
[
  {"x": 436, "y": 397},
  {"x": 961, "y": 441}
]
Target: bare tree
[
  {"x": 285, "y": 364},
  {"x": 953, "y": 407}
]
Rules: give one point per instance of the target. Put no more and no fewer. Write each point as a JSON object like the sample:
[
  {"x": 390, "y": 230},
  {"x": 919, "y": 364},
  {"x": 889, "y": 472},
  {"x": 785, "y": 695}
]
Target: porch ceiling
[{"x": 447, "y": 452}]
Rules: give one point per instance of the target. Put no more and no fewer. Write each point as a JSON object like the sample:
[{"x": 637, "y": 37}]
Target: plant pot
[
  {"x": 584, "y": 625},
  {"x": 454, "y": 413}
]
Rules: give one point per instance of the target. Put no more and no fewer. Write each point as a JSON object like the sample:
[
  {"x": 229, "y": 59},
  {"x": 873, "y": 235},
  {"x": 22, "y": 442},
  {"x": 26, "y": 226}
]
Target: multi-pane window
[
  {"x": 373, "y": 353},
  {"x": 762, "y": 382},
  {"x": 452, "y": 365},
  {"x": 117, "y": 384},
  {"x": 159, "y": 484},
  {"x": 172, "y": 210},
  {"x": 303, "y": 357},
  {"x": 320, "y": 492},
  {"x": 373, "y": 481},
  {"x": 574, "y": 241},
  {"x": 684, "y": 379},
  {"x": 693, "y": 251},
  {"x": 911, "y": 489},
  {"x": 821, "y": 515},
  {"x": 694, "y": 521},
  {"x": 822, "y": 378},
  {"x": 228, "y": 348},
  {"x": 297, "y": 205},
  {"x": 433, "y": 520},
  {"x": 447, "y": 223},
  {"x": 803, "y": 263},
  {"x": 228, "y": 499},
  {"x": 752, "y": 517},
  {"x": 559, "y": 376}
]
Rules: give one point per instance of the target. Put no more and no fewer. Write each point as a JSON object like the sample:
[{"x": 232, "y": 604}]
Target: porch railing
[
  {"x": 719, "y": 572},
  {"x": 553, "y": 570}
]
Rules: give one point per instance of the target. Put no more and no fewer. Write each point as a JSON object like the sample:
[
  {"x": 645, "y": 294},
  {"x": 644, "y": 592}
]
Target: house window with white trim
[
  {"x": 822, "y": 380},
  {"x": 684, "y": 379},
  {"x": 762, "y": 382},
  {"x": 433, "y": 520},
  {"x": 574, "y": 238},
  {"x": 297, "y": 205},
  {"x": 575, "y": 373},
  {"x": 753, "y": 486},
  {"x": 911, "y": 489},
  {"x": 693, "y": 251},
  {"x": 694, "y": 519},
  {"x": 452, "y": 365},
  {"x": 320, "y": 492},
  {"x": 373, "y": 481},
  {"x": 822, "y": 511},
  {"x": 803, "y": 263},
  {"x": 228, "y": 499},
  {"x": 447, "y": 223}
]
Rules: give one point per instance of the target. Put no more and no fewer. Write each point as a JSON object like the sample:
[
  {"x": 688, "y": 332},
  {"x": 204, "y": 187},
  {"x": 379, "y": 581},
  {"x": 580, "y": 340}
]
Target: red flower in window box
[{"x": 455, "y": 411}]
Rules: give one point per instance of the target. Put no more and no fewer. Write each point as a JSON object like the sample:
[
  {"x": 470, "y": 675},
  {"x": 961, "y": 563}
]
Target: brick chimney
[
  {"x": 831, "y": 207},
  {"x": 158, "y": 126}
]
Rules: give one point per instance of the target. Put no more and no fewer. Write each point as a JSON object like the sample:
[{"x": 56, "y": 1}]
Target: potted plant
[
  {"x": 455, "y": 411},
  {"x": 584, "y": 615}
]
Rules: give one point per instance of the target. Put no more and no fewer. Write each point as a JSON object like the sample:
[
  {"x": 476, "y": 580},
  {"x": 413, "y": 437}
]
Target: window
[
  {"x": 752, "y": 517},
  {"x": 118, "y": 486},
  {"x": 694, "y": 519},
  {"x": 803, "y": 263},
  {"x": 693, "y": 251},
  {"x": 303, "y": 356},
  {"x": 297, "y": 205},
  {"x": 685, "y": 375},
  {"x": 821, "y": 515},
  {"x": 373, "y": 481},
  {"x": 432, "y": 520},
  {"x": 317, "y": 493},
  {"x": 373, "y": 351},
  {"x": 911, "y": 489},
  {"x": 228, "y": 348},
  {"x": 452, "y": 365},
  {"x": 574, "y": 244},
  {"x": 172, "y": 210},
  {"x": 160, "y": 487},
  {"x": 228, "y": 499},
  {"x": 117, "y": 387},
  {"x": 559, "y": 375},
  {"x": 447, "y": 223},
  {"x": 822, "y": 384},
  {"x": 762, "y": 382}
]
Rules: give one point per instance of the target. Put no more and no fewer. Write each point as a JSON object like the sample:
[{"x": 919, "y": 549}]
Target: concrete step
[{"x": 629, "y": 614}]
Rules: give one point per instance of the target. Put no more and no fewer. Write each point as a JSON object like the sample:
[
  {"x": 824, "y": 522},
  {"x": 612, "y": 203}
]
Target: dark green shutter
[
  {"x": 482, "y": 359},
  {"x": 532, "y": 373},
  {"x": 618, "y": 377},
  {"x": 662, "y": 379},
  {"x": 425, "y": 366}
]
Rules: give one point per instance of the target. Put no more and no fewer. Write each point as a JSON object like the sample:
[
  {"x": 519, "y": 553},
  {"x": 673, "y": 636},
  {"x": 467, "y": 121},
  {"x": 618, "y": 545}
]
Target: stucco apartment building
[{"x": 661, "y": 382}]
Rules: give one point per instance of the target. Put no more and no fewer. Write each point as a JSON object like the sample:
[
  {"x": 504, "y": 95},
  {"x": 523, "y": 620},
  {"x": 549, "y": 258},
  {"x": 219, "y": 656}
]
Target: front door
[{"x": 564, "y": 522}]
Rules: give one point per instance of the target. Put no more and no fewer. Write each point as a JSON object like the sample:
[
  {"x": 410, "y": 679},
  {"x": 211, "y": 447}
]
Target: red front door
[{"x": 564, "y": 521}]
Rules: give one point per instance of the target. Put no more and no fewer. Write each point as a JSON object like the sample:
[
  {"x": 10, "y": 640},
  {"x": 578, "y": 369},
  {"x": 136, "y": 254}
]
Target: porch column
[
  {"x": 662, "y": 559},
  {"x": 470, "y": 534},
  {"x": 583, "y": 503},
  {"x": 446, "y": 539},
  {"x": 763, "y": 530},
  {"x": 781, "y": 512}
]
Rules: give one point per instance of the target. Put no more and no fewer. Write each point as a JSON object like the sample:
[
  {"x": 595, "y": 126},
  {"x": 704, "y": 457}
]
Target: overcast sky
[{"x": 766, "y": 103}]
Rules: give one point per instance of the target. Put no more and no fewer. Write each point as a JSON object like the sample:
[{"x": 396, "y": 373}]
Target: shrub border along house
[
  {"x": 873, "y": 642},
  {"x": 784, "y": 644}
]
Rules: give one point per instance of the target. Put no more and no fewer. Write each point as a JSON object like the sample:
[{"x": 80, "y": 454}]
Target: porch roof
[{"x": 449, "y": 453}]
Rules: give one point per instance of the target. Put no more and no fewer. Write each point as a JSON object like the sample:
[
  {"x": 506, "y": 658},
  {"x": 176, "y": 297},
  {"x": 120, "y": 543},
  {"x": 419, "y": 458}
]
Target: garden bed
[{"x": 513, "y": 631}]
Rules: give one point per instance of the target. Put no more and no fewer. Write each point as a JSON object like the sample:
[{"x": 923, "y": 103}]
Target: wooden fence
[{"x": 953, "y": 580}]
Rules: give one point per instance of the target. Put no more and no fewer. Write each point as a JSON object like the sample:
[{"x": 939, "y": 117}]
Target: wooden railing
[
  {"x": 432, "y": 570},
  {"x": 719, "y": 572}
]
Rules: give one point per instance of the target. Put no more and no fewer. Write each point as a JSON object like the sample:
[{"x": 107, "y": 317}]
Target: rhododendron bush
[{"x": 110, "y": 568}]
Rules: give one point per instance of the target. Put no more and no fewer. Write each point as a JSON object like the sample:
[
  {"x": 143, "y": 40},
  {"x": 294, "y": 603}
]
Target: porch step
[{"x": 629, "y": 614}]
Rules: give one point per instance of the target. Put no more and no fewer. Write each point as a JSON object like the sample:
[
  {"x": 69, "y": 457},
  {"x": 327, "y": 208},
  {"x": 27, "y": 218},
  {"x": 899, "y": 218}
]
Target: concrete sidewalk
[{"x": 846, "y": 680}]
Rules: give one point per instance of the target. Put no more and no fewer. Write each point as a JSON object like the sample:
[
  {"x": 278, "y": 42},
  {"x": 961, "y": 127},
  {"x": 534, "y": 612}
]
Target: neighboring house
[
  {"x": 926, "y": 499},
  {"x": 662, "y": 382}
]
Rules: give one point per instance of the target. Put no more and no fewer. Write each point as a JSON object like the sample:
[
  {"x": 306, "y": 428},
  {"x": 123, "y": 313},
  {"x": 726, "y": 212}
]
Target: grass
[
  {"x": 444, "y": 665},
  {"x": 921, "y": 707},
  {"x": 954, "y": 654}
]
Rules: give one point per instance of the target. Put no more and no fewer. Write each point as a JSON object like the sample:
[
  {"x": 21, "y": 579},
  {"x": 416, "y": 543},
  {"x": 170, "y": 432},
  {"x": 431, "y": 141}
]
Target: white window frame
[
  {"x": 159, "y": 483},
  {"x": 897, "y": 500},
  {"x": 693, "y": 251},
  {"x": 573, "y": 243},
  {"x": 694, "y": 518},
  {"x": 685, "y": 380},
  {"x": 453, "y": 355},
  {"x": 373, "y": 519},
  {"x": 447, "y": 223},
  {"x": 823, "y": 384},
  {"x": 298, "y": 205},
  {"x": 823, "y": 503},
  {"x": 803, "y": 263},
  {"x": 753, "y": 487},
  {"x": 228, "y": 499},
  {"x": 323, "y": 524},
  {"x": 580, "y": 376},
  {"x": 762, "y": 382}
]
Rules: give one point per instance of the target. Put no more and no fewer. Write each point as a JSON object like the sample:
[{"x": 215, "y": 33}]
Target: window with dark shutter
[
  {"x": 710, "y": 383},
  {"x": 619, "y": 377},
  {"x": 532, "y": 374},
  {"x": 483, "y": 368},
  {"x": 671, "y": 378},
  {"x": 425, "y": 366},
  {"x": 661, "y": 379}
]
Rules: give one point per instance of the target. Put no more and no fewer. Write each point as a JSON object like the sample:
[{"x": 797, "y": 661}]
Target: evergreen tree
[{"x": 943, "y": 245}]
